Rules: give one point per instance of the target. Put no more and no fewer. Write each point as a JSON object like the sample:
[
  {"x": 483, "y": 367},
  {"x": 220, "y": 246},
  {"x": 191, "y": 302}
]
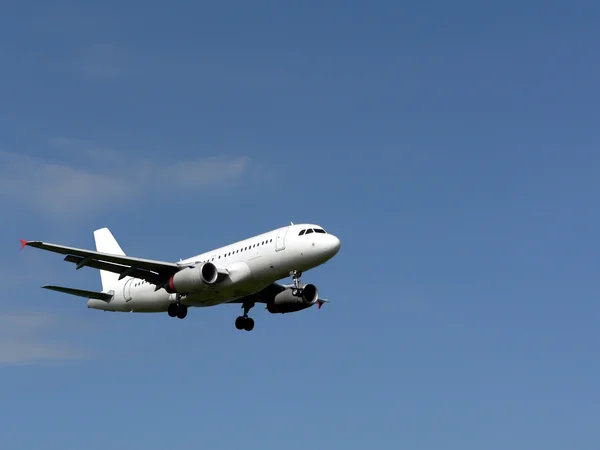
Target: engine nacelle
[
  {"x": 193, "y": 279},
  {"x": 286, "y": 301}
]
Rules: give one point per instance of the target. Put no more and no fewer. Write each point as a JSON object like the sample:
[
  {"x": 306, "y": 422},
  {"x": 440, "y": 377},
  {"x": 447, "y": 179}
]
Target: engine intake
[
  {"x": 193, "y": 279},
  {"x": 286, "y": 301}
]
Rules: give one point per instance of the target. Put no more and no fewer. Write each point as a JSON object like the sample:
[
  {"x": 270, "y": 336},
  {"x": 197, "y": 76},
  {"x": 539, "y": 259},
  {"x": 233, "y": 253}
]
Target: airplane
[{"x": 245, "y": 272}]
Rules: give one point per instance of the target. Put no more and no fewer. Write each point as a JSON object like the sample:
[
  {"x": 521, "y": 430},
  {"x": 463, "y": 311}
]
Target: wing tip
[{"x": 23, "y": 243}]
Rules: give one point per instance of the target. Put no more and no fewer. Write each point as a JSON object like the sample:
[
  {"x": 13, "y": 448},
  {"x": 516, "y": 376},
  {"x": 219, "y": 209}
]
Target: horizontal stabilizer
[{"x": 81, "y": 293}]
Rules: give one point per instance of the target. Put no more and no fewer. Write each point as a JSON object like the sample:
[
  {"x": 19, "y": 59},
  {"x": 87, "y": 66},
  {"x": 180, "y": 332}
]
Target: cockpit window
[{"x": 312, "y": 230}]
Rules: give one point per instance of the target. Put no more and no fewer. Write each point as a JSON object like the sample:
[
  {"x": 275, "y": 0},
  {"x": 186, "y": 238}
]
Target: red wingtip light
[{"x": 23, "y": 243}]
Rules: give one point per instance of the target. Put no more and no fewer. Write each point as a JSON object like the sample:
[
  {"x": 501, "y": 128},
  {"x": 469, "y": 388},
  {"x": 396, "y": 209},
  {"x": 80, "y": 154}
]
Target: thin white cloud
[
  {"x": 67, "y": 142},
  {"x": 103, "y": 179},
  {"x": 55, "y": 189},
  {"x": 206, "y": 172},
  {"x": 104, "y": 61},
  {"x": 24, "y": 339}
]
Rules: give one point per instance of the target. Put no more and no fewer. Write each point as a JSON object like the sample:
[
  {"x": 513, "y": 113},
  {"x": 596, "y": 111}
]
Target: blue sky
[{"x": 452, "y": 146}]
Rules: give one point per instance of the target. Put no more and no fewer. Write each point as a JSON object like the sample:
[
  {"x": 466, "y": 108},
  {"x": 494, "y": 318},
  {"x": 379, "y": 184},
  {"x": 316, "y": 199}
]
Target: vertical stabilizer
[{"x": 106, "y": 243}]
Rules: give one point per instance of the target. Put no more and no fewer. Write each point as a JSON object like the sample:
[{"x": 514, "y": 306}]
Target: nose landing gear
[{"x": 296, "y": 274}]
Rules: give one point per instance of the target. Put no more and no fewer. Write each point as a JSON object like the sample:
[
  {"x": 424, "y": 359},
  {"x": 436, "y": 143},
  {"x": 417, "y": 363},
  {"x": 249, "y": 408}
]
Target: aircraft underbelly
[
  {"x": 239, "y": 282},
  {"x": 150, "y": 304},
  {"x": 147, "y": 300},
  {"x": 223, "y": 295}
]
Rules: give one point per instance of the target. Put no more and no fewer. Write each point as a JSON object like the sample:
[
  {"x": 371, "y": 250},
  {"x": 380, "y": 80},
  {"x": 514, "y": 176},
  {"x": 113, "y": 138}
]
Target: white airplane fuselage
[{"x": 251, "y": 265}]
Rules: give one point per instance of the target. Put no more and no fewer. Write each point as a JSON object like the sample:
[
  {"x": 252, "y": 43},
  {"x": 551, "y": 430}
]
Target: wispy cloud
[
  {"x": 24, "y": 339},
  {"x": 88, "y": 178},
  {"x": 104, "y": 61}
]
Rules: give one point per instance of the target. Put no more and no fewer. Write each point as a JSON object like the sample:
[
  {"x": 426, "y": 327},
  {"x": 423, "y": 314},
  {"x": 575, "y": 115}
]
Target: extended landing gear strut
[
  {"x": 296, "y": 274},
  {"x": 244, "y": 322},
  {"x": 177, "y": 309}
]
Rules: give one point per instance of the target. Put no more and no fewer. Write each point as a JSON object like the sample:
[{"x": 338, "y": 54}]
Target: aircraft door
[
  {"x": 280, "y": 239},
  {"x": 127, "y": 290}
]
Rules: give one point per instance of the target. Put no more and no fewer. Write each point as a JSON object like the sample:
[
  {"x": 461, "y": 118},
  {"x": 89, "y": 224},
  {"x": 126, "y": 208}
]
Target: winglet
[
  {"x": 321, "y": 301},
  {"x": 23, "y": 243}
]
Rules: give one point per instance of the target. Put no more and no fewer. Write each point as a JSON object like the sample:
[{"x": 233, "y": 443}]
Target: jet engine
[
  {"x": 286, "y": 301},
  {"x": 193, "y": 279}
]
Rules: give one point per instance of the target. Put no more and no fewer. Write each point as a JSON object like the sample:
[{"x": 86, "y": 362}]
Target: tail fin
[{"x": 106, "y": 243}]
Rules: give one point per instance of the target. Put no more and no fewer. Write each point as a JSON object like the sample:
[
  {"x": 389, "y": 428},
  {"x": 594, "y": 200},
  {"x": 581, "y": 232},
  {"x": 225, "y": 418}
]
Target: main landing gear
[
  {"x": 177, "y": 310},
  {"x": 244, "y": 322}
]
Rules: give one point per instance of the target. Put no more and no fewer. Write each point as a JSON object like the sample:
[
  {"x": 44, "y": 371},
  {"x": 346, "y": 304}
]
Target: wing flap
[{"x": 80, "y": 292}]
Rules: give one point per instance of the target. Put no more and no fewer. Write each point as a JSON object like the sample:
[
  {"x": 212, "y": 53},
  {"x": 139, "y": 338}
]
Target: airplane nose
[{"x": 334, "y": 244}]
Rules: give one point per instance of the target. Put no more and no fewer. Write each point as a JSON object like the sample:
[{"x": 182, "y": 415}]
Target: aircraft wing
[{"x": 152, "y": 271}]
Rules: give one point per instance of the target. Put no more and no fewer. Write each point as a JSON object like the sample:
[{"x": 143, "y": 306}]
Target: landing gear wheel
[
  {"x": 177, "y": 310},
  {"x": 244, "y": 322},
  {"x": 182, "y": 311},
  {"x": 240, "y": 322},
  {"x": 249, "y": 324}
]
